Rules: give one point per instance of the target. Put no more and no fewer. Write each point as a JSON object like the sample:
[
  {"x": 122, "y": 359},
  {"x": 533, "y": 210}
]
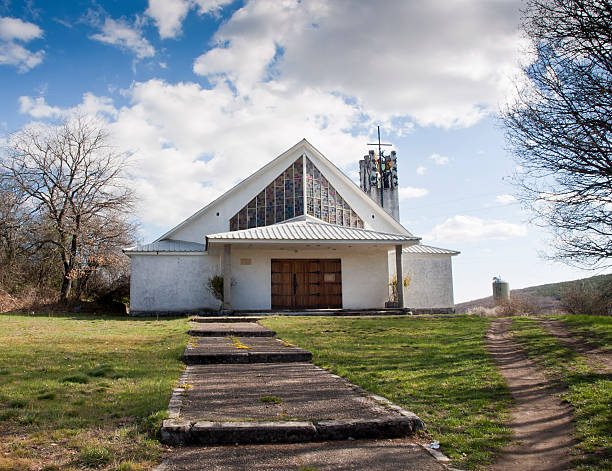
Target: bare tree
[
  {"x": 560, "y": 127},
  {"x": 74, "y": 183}
]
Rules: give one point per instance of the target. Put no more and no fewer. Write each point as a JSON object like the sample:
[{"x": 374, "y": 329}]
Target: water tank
[{"x": 501, "y": 290}]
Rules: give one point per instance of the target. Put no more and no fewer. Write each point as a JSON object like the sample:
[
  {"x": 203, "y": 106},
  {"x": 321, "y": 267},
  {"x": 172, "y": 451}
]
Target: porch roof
[
  {"x": 167, "y": 246},
  {"x": 310, "y": 231},
  {"x": 428, "y": 249}
]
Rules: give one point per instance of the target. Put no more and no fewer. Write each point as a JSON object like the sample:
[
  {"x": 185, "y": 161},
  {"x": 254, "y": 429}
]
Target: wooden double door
[{"x": 304, "y": 283}]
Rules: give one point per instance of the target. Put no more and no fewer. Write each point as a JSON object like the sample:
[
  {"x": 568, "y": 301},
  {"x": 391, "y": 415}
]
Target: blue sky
[{"x": 204, "y": 92}]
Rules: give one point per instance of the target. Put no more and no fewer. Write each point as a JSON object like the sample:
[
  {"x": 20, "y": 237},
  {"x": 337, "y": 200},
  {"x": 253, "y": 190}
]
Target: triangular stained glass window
[
  {"x": 281, "y": 200},
  {"x": 325, "y": 203},
  {"x": 284, "y": 199}
]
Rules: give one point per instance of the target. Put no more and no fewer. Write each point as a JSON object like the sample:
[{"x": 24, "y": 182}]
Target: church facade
[{"x": 297, "y": 234}]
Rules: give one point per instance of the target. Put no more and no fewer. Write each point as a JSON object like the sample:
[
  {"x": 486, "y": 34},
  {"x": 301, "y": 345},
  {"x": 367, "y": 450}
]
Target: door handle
[{"x": 294, "y": 284}]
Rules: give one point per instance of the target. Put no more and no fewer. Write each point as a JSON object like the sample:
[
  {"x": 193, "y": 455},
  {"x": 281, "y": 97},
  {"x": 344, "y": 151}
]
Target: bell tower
[{"x": 378, "y": 178}]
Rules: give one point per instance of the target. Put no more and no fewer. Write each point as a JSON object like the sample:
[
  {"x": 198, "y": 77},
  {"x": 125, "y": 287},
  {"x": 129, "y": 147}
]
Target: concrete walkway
[
  {"x": 352, "y": 455},
  {"x": 285, "y": 413}
]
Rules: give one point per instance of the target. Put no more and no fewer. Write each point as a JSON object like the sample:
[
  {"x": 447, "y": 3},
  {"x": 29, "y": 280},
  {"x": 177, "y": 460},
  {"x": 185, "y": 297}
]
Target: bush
[
  {"x": 583, "y": 299},
  {"x": 518, "y": 306},
  {"x": 214, "y": 285},
  {"x": 482, "y": 311}
]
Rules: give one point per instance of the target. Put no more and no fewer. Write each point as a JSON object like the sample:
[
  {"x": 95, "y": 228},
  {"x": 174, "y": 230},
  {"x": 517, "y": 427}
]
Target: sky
[{"x": 202, "y": 93}]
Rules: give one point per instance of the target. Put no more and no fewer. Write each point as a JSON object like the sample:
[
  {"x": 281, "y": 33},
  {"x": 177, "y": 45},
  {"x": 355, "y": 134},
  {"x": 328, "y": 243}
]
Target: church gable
[
  {"x": 284, "y": 198},
  {"x": 258, "y": 197}
]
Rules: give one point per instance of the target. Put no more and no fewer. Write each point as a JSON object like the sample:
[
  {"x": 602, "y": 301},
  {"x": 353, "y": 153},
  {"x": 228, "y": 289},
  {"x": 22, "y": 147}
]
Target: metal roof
[
  {"x": 303, "y": 231},
  {"x": 168, "y": 246},
  {"x": 428, "y": 249}
]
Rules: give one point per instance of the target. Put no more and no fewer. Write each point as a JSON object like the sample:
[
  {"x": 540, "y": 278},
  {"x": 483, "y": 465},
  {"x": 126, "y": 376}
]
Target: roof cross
[{"x": 379, "y": 164}]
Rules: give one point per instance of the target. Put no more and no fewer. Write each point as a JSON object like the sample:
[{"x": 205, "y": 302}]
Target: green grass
[
  {"x": 85, "y": 392},
  {"x": 597, "y": 329},
  {"x": 271, "y": 399},
  {"x": 437, "y": 368},
  {"x": 588, "y": 392}
]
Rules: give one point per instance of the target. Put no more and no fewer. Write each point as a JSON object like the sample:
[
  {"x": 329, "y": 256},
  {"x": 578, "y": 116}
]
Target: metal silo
[{"x": 501, "y": 290}]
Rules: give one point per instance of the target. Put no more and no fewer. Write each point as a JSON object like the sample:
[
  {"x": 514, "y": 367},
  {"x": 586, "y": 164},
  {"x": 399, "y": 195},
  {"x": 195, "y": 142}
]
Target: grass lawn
[
  {"x": 589, "y": 392},
  {"x": 85, "y": 392},
  {"x": 437, "y": 368},
  {"x": 597, "y": 329}
]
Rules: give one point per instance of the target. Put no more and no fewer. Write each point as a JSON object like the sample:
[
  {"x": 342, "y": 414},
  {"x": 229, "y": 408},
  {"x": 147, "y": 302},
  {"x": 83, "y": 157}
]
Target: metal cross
[{"x": 379, "y": 165}]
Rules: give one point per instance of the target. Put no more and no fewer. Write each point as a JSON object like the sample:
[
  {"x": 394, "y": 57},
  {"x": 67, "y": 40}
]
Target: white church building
[{"x": 297, "y": 234}]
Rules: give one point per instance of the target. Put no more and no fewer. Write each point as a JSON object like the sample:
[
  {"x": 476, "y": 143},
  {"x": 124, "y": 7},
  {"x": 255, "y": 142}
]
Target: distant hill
[{"x": 546, "y": 296}]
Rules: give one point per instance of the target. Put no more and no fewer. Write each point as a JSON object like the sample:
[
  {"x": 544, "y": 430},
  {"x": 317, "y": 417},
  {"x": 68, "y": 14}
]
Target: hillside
[{"x": 546, "y": 296}]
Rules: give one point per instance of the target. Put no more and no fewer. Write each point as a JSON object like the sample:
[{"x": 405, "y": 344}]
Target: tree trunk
[{"x": 69, "y": 259}]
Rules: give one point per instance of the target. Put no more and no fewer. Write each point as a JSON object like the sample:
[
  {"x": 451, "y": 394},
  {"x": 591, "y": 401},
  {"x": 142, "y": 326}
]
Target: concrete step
[
  {"x": 225, "y": 319},
  {"x": 342, "y": 455},
  {"x": 230, "y": 329},
  {"x": 278, "y": 403},
  {"x": 177, "y": 432},
  {"x": 211, "y": 350}
]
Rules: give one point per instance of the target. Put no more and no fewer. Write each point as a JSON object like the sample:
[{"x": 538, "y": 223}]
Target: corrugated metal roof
[
  {"x": 428, "y": 249},
  {"x": 309, "y": 230},
  {"x": 168, "y": 246}
]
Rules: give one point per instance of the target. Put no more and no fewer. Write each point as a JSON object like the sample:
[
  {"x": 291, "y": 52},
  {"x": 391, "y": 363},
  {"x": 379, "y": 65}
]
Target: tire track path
[
  {"x": 542, "y": 425},
  {"x": 596, "y": 357}
]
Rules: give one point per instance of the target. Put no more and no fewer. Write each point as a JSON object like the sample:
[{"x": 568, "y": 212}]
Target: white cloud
[
  {"x": 169, "y": 15},
  {"x": 421, "y": 170},
  {"x": 15, "y": 29},
  {"x": 469, "y": 229},
  {"x": 439, "y": 159},
  {"x": 12, "y": 53},
  {"x": 505, "y": 199},
  {"x": 91, "y": 105},
  {"x": 38, "y": 108},
  {"x": 125, "y": 36},
  {"x": 449, "y": 68},
  {"x": 410, "y": 192}
]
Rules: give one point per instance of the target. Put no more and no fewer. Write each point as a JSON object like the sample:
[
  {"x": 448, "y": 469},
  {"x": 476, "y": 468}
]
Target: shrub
[
  {"x": 583, "y": 299},
  {"x": 517, "y": 306},
  {"x": 482, "y": 311},
  {"x": 214, "y": 285}
]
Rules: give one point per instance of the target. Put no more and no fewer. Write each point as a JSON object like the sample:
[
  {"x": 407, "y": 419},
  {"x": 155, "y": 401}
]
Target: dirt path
[
  {"x": 542, "y": 425},
  {"x": 597, "y": 358}
]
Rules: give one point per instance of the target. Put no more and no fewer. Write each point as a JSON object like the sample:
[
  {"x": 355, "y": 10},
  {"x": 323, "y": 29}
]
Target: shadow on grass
[{"x": 91, "y": 316}]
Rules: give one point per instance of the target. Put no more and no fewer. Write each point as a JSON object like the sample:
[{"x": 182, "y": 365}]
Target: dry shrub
[
  {"x": 482, "y": 311},
  {"x": 29, "y": 299},
  {"x": 582, "y": 299},
  {"x": 519, "y": 306}
]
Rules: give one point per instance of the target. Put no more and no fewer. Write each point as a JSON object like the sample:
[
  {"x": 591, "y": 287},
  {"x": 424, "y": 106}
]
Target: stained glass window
[
  {"x": 284, "y": 199},
  {"x": 324, "y": 202}
]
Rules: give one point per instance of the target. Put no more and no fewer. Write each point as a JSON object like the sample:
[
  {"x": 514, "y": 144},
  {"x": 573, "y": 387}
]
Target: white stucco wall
[
  {"x": 171, "y": 282},
  {"x": 431, "y": 283},
  {"x": 364, "y": 276}
]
